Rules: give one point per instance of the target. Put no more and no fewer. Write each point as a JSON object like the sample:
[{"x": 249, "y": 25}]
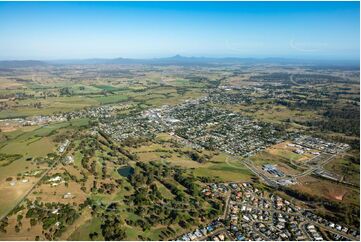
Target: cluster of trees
[
  {"x": 317, "y": 79},
  {"x": 344, "y": 126},
  {"x": 127, "y": 154},
  {"x": 37, "y": 105},
  {"x": 148, "y": 202},
  {"x": 90, "y": 161},
  {"x": 113, "y": 229},
  {"x": 3, "y": 224},
  {"x": 120, "y": 148},
  {"x": 88, "y": 147},
  {"x": 54, "y": 223},
  {"x": 178, "y": 193},
  {"x": 164, "y": 234},
  {"x": 196, "y": 156},
  {"x": 135, "y": 141},
  {"x": 344, "y": 120},
  {"x": 182, "y": 90},
  {"x": 302, "y": 103},
  {"x": 94, "y": 236},
  {"x": 279, "y": 76},
  {"x": 188, "y": 182},
  {"x": 108, "y": 188},
  {"x": 8, "y": 158},
  {"x": 65, "y": 91}
]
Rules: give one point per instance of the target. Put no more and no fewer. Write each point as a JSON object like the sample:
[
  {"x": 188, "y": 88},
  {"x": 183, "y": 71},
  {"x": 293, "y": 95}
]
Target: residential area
[{"x": 253, "y": 214}]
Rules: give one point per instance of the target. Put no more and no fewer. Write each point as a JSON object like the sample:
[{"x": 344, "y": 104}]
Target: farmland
[{"x": 127, "y": 152}]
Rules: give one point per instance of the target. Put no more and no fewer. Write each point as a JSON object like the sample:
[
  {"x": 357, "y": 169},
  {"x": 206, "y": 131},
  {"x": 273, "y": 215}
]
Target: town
[
  {"x": 201, "y": 126},
  {"x": 253, "y": 214},
  {"x": 204, "y": 154}
]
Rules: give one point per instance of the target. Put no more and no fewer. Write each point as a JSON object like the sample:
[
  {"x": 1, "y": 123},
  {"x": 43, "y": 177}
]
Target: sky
[{"x": 79, "y": 30}]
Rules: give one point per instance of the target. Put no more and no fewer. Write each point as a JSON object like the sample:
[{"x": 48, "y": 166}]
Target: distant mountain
[
  {"x": 182, "y": 60},
  {"x": 21, "y": 63}
]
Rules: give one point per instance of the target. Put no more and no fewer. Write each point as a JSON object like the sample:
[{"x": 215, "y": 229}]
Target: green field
[
  {"x": 347, "y": 167},
  {"x": 91, "y": 226}
]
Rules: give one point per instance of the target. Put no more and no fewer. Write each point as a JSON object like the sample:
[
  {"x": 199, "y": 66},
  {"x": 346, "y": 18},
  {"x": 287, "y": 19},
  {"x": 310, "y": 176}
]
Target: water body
[{"x": 126, "y": 171}]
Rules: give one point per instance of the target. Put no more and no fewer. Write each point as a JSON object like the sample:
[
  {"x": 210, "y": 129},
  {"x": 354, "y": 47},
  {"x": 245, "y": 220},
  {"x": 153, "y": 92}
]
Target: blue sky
[{"x": 63, "y": 30}]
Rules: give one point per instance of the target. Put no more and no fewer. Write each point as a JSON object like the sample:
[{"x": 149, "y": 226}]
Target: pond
[{"x": 126, "y": 171}]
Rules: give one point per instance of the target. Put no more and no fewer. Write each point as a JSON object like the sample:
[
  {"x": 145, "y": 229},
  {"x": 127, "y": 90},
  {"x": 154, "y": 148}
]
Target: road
[
  {"x": 224, "y": 216},
  {"x": 293, "y": 81},
  {"x": 215, "y": 232},
  {"x": 314, "y": 168},
  {"x": 260, "y": 175},
  {"x": 273, "y": 182},
  {"x": 248, "y": 165}
]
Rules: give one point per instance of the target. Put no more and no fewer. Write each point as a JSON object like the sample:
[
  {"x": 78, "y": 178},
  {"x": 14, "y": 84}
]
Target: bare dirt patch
[{"x": 11, "y": 193}]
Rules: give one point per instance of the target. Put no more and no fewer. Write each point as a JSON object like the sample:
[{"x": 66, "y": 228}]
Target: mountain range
[{"x": 177, "y": 60}]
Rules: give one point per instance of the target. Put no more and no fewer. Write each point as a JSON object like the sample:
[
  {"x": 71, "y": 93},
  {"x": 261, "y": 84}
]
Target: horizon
[
  {"x": 145, "y": 30},
  {"x": 185, "y": 57}
]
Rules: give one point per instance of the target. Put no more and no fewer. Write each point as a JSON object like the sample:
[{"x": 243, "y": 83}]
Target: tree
[{"x": 112, "y": 229}]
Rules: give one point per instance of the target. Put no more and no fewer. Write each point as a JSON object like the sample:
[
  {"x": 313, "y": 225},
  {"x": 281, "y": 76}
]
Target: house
[
  {"x": 210, "y": 228},
  {"x": 299, "y": 151},
  {"x": 55, "y": 179},
  {"x": 198, "y": 233},
  {"x": 240, "y": 237},
  {"x": 221, "y": 237},
  {"x": 192, "y": 236},
  {"x": 55, "y": 211},
  {"x": 318, "y": 238},
  {"x": 204, "y": 231},
  {"x": 68, "y": 195},
  {"x": 69, "y": 160}
]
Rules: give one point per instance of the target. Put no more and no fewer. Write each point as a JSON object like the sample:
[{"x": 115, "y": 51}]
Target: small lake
[{"x": 126, "y": 171}]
